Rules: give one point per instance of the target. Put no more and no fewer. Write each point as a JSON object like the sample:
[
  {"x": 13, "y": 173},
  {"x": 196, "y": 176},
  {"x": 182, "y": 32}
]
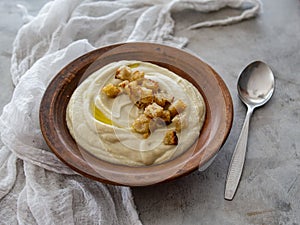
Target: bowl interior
[{"x": 219, "y": 114}]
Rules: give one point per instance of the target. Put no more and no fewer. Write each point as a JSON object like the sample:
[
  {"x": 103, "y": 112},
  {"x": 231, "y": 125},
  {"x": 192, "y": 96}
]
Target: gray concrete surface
[{"x": 269, "y": 192}]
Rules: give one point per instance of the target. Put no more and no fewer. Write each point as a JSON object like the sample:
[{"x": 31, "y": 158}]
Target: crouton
[
  {"x": 146, "y": 98},
  {"x": 171, "y": 138},
  {"x": 140, "y": 96},
  {"x": 163, "y": 99},
  {"x": 166, "y": 116},
  {"x": 137, "y": 75},
  {"x": 153, "y": 110},
  {"x": 150, "y": 84},
  {"x": 123, "y": 73},
  {"x": 176, "y": 107},
  {"x": 141, "y": 124},
  {"x": 133, "y": 85},
  {"x": 179, "y": 122},
  {"x": 123, "y": 84},
  {"x": 146, "y": 135},
  {"x": 111, "y": 90},
  {"x": 133, "y": 90}
]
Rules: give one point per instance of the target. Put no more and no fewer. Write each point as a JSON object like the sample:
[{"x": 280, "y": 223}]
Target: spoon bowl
[
  {"x": 256, "y": 84},
  {"x": 255, "y": 87}
]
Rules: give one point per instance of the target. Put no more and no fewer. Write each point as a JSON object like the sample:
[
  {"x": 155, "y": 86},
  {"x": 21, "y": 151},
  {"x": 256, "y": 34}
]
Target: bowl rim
[{"x": 48, "y": 119}]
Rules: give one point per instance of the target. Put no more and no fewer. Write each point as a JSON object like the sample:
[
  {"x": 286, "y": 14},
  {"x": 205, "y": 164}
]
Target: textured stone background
[{"x": 269, "y": 192}]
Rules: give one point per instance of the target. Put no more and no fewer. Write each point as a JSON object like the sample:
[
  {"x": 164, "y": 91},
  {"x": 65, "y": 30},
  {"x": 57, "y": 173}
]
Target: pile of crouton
[{"x": 158, "y": 108}]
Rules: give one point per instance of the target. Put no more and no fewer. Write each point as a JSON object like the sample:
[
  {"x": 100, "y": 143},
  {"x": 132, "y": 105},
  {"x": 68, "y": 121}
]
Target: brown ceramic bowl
[{"x": 215, "y": 130}]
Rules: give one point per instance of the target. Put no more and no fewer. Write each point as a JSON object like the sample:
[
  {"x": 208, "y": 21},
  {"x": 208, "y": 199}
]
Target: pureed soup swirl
[{"x": 135, "y": 113}]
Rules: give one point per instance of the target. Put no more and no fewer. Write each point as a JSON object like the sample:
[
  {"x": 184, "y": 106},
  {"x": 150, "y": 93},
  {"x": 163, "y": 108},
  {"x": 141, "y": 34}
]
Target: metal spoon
[{"x": 255, "y": 87}]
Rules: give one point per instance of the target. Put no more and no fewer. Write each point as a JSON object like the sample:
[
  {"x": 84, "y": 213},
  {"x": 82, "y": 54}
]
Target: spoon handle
[{"x": 238, "y": 159}]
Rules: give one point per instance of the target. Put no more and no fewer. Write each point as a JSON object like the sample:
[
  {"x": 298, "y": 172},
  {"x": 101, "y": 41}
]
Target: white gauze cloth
[{"x": 35, "y": 186}]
